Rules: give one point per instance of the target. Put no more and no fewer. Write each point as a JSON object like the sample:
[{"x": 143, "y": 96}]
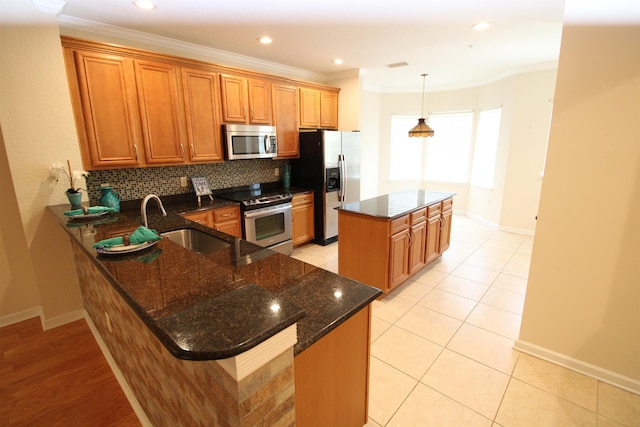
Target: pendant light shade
[{"x": 421, "y": 129}]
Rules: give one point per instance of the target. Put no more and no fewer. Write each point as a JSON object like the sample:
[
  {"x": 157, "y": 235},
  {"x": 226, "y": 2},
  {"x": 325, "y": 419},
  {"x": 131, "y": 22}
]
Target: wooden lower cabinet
[
  {"x": 445, "y": 225},
  {"x": 225, "y": 219},
  {"x": 384, "y": 252},
  {"x": 303, "y": 218},
  {"x": 332, "y": 376}
]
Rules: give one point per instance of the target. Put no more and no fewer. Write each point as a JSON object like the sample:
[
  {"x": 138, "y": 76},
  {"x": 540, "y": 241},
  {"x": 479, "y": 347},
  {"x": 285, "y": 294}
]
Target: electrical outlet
[
  {"x": 183, "y": 181},
  {"x": 277, "y": 171}
]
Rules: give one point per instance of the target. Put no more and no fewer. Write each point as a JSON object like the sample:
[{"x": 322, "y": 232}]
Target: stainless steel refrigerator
[{"x": 329, "y": 164}]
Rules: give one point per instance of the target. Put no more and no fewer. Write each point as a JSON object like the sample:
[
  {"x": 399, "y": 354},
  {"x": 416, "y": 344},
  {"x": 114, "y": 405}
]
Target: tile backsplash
[{"x": 133, "y": 184}]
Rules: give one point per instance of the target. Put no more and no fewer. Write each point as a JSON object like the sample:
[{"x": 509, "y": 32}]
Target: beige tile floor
[{"x": 441, "y": 352}]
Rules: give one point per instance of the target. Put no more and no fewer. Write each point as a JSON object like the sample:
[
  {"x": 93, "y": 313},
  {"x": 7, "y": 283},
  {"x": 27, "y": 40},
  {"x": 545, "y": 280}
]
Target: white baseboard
[
  {"x": 23, "y": 315},
  {"x": 63, "y": 319},
  {"x": 579, "y": 366},
  {"x": 482, "y": 220},
  {"x": 124, "y": 385}
]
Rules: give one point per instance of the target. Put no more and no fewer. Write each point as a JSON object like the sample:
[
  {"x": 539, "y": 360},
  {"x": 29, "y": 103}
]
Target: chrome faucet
[{"x": 143, "y": 208}]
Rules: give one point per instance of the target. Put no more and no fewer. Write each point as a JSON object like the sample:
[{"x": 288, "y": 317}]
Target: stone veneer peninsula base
[{"x": 180, "y": 392}]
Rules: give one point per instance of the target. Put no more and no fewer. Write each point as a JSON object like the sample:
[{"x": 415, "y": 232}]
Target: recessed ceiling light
[
  {"x": 481, "y": 26},
  {"x": 338, "y": 61},
  {"x": 265, "y": 40},
  {"x": 145, "y": 4}
]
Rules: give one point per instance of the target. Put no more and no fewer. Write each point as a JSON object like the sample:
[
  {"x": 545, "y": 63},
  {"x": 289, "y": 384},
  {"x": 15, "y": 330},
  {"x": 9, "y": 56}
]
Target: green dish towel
[
  {"x": 91, "y": 210},
  {"x": 141, "y": 235}
]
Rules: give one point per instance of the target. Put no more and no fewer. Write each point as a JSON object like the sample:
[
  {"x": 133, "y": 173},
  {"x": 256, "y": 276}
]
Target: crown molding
[
  {"x": 69, "y": 25},
  {"x": 469, "y": 85},
  {"x": 49, "y": 6}
]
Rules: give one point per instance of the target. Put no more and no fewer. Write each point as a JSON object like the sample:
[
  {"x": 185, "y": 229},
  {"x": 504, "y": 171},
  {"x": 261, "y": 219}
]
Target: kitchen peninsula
[
  {"x": 240, "y": 336},
  {"x": 387, "y": 239}
]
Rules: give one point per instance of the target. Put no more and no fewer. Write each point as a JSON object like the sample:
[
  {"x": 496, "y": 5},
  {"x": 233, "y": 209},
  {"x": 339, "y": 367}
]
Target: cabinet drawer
[
  {"x": 418, "y": 216},
  {"x": 447, "y": 204},
  {"x": 226, "y": 214},
  {"x": 433, "y": 210},
  {"x": 203, "y": 217},
  {"x": 302, "y": 199},
  {"x": 399, "y": 224}
]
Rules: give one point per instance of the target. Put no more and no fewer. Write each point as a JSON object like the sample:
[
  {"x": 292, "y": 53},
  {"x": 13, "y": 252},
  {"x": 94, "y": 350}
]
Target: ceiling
[{"x": 432, "y": 36}]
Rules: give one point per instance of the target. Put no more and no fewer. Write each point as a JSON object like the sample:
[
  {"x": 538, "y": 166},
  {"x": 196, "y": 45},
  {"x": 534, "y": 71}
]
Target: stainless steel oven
[{"x": 270, "y": 227}]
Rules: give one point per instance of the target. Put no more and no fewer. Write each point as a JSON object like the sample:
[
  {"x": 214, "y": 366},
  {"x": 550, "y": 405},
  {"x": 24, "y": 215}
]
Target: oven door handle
[{"x": 269, "y": 210}]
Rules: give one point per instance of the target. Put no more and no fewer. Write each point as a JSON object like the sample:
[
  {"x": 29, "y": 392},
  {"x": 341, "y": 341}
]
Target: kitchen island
[
  {"x": 233, "y": 337},
  {"x": 387, "y": 239}
]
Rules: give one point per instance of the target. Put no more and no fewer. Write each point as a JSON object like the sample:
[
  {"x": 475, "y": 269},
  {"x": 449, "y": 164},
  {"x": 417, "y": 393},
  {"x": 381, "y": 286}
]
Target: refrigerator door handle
[{"x": 343, "y": 178}]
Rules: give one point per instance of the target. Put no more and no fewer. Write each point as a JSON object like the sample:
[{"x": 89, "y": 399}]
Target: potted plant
[{"x": 73, "y": 176}]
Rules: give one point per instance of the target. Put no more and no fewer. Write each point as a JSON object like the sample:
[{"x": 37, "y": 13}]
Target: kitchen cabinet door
[
  {"x": 201, "y": 94},
  {"x": 445, "y": 225},
  {"x": 398, "y": 258},
  {"x": 303, "y": 219},
  {"x": 234, "y": 99},
  {"x": 285, "y": 118},
  {"x": 328, "y": 110},
  {"x": 418, "y": 247},
  {"x": 309, "y": 108},
  {"x": 259, "y": 101},
  {"x": 160, "y": 114},
  {"x": 103, "y": 92},
  {"x": 433, "y": 237}
]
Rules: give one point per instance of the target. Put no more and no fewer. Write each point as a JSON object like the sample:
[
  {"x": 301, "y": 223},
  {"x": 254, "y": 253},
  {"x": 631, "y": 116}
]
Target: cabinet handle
[
  {"x": 193, "y": 150},
  {"x": 135, "y": 148},
  {"x": 227, "y": 214},
  {"x": 244, "y": 112},
  {"x": 182, "y": 150},
  {"x": 251, "y": 110}
]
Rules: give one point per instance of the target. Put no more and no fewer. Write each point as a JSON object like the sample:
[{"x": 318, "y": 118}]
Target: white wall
[
  {"x": 583, "y": 297},
  {"x": 38, "y": 130}
]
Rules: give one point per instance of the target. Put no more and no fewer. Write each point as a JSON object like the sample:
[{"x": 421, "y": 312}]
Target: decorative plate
[
  {"x": 88, "y": 216},
  {"x": 122, "y": 249}
]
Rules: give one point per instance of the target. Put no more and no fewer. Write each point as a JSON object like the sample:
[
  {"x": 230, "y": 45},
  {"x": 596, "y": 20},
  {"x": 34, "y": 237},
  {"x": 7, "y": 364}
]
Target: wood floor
[{"x": 58, "y": 377}]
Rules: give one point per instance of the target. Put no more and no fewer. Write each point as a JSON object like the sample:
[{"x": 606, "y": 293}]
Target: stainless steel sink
[{"x": 196, "y": 240}]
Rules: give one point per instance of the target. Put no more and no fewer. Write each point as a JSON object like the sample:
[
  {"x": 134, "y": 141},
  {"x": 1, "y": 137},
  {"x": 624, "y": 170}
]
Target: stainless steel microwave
[{"x": 250, "y": 142}]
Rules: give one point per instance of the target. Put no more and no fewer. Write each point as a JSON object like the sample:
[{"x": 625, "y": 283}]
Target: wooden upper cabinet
[
  {"x": 201, "y": 94},
  {"x": 259, "y": 101},
  {"x": 105, "y": 107},
  {"x": 285, "y": 118},
  {"x": 135, "y": 108},
  {"x": 245, "y": 100},
  {"x": 309, "y": 108},
  {"x": 318, "y": 109},
  {"x": 234, "y": 100},
  {"x": 329, "y": 110},
  {"x": 160, "y": 114}
]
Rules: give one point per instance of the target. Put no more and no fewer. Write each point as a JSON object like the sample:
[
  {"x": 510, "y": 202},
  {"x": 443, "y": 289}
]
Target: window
[
  {"x": 486, "y": 148},
  {"x": 443, "y": 157},
  {"x": 406, "y": 153},
  {"x": 449, "y": 149}
]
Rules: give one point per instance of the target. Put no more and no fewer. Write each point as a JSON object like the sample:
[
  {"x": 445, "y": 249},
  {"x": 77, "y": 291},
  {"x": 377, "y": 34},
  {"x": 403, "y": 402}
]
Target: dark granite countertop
[
  {"x": 394, "y": 205},
  {"x": 218, "y": 305}
]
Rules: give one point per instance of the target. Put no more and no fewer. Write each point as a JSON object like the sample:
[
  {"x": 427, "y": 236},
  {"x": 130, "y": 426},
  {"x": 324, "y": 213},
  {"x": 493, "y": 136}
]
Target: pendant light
[{"x": 421, "y": 129}]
